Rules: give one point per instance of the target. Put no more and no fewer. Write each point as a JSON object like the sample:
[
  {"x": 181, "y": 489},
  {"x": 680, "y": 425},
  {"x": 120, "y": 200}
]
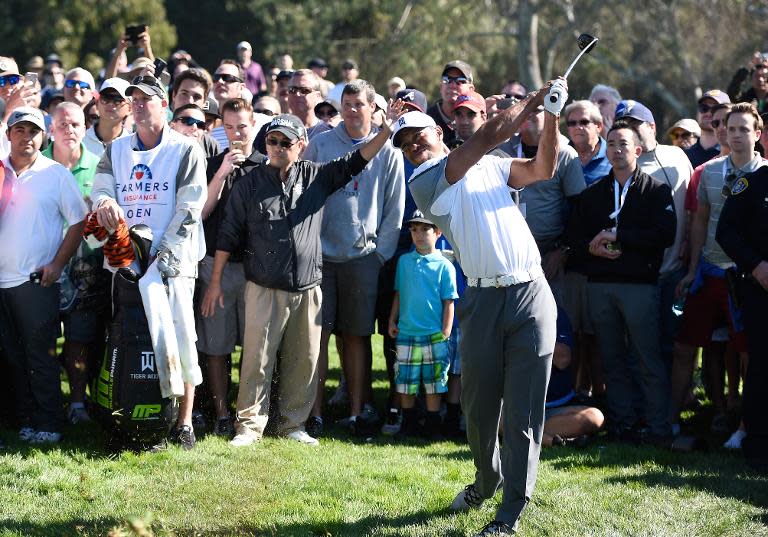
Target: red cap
[{"x": 473, "y": 101}]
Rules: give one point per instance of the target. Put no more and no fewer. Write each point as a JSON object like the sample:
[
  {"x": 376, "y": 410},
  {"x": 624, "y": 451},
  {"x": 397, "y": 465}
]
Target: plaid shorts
[{"x": 422, "y": 359}]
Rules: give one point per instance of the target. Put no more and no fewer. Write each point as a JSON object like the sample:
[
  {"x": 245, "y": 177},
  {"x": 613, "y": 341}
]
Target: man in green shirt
[{"x": 85, "y": 284}]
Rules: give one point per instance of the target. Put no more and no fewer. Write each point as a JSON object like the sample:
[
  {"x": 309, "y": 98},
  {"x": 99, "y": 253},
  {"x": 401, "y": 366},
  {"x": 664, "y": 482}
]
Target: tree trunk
[{"x": 529, "y": 69}]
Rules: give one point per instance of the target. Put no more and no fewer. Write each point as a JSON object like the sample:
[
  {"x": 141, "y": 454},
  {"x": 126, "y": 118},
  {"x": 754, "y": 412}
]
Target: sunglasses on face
[
  {"x": 77, "y": 83},
  {"x": 704, "y": 108},
  {"x": 298, "y": 90},
  {"x": 517, "y": 96},
  {"x": 327, "y": 114},
  {"x": 189, "y": 121},
  {"x": 264, "y": 111},
  {"x": 226, "y": 78},
  {"x": 455, "y": 79},
  {"x": 582, "y": 122},
  {"x": 111, "y": 99},
  {"x": 717, "y": 123},
  {"x": 11, "y": 80},
  {"x": 285, "y": 144}
]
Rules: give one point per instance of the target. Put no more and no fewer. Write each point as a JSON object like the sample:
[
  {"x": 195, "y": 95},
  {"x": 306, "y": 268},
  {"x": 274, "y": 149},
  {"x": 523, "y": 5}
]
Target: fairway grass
[{"x": 355, "y": 488}]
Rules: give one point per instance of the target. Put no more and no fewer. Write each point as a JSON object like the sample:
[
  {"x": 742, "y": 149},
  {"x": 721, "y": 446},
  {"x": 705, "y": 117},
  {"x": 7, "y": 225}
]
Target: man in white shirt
[
  {"x": 39, "y": 197},
  {"x": 507, "y": 314}
]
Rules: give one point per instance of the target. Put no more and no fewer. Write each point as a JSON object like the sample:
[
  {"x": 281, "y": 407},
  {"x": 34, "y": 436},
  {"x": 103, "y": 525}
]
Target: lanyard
[{"x": 619, "y": 198}]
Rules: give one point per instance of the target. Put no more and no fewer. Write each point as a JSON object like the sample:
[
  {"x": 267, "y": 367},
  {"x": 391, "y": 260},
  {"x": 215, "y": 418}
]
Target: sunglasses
[
  {"x": 264, "y": 111},
  {"x": 298, "y": 90},
  {"x": 717, "y": 122},
  {"x": 226, "y": 78},
  {"x": 190, "y": 121},
  {"x": 11, "y": 80},
  {"x": 704, "y": 108},
  {"x": 582, "y": 122},
  {"x": 79, "y": 83},
  {"x": 730, "y": 179},
  {"x": 110, "y": 99},
  {"x": 327, "y": 114},
  {"x": 285, "y": 144},
  {"x": 455, "y": 79},
  {"x": 146, "y": 79}
]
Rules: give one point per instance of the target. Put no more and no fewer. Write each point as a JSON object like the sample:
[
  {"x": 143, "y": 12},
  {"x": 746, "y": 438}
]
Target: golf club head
[
  {"x": 141, "y": 238},
  {"x": 586, "y": 42}
]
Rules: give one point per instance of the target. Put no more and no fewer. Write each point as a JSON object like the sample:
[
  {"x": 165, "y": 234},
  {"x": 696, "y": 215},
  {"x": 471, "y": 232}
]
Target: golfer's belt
[{"x": 522, "y": 276}]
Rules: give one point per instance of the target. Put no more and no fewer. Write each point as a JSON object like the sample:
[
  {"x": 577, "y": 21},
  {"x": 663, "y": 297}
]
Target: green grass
[{"x": 345, "y": 488}]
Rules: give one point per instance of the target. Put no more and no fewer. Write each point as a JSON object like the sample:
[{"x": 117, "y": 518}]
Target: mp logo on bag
[{"x": 148, "y": 361}]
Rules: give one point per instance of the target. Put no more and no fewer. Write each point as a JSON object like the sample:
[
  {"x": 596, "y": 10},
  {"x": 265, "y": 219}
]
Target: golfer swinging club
[{"x": 507, "y": 314}]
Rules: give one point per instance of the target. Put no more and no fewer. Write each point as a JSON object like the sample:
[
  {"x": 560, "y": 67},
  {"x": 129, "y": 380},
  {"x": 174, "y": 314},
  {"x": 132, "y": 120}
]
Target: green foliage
[{"x": 81, "y": 32}]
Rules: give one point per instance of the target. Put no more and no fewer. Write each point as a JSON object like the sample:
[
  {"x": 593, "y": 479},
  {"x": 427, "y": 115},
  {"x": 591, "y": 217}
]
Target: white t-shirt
[
  {"x": 478, "y": 216},
  {"x": 45, "y": 198}
]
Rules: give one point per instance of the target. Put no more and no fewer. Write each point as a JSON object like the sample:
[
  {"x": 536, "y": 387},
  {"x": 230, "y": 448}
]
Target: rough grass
[{"x": 377, "y": 488}]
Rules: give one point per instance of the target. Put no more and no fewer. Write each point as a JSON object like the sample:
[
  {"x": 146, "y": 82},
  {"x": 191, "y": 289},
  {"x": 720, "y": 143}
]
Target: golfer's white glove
[{"x": 555, "y": 99}]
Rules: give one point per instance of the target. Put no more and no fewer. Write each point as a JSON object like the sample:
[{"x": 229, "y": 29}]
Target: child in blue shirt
[{"x": 421, "y": 320}]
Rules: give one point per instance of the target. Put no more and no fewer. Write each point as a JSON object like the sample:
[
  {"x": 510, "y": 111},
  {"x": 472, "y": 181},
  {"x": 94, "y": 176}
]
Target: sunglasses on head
[
  {"x": 298, "y": 90},
  {"x": 79, "y": 83},
  {"x": 730, "y": 179},
  {"x": 455, "y": 79},
  {"x": 582, "y": 122},
  {"x": 11, "y": 80},
  {"x": 226, "y": 78},
  {"x": 190, "y": 121},
  {"x": 147, "y": 80},
  {"x": 285, "y": 144},
  {"x": 264, "y": 111}
]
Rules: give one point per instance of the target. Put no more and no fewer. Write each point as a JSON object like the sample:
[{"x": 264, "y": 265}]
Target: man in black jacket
[
  {"x": 274, "y": 215},
  {"x": 620, "y": 228}
]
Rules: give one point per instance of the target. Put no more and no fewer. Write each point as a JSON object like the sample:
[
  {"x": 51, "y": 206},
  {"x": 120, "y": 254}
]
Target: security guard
[{"x": 743, "y": 234}]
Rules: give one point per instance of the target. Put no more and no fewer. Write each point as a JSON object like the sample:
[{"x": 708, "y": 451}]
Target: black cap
[
  {"x": 349, "y": 64},
  {"x": 317, "y": 62},
  {"x": 285, "y": 73},
  {"x": 211, "y": 107},
  {"x": 289, "y": 125},
  {"x": 419, "y": 217},
  {"x": 413, "y": 97},
  {"x": 147, "y": 84}
]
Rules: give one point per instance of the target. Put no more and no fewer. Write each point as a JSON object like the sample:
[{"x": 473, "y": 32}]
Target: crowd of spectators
[{"x": 312, "y": 238}]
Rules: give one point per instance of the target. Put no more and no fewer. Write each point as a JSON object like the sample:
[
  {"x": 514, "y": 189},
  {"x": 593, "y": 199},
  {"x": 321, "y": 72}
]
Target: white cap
[
  {"x": 28, "y": 114},
  {"x": 416, "y": 120},
  {"x": 117, "y": 84},
  {"x": 244, "y": 44},
  {"x": 687, "y": 124},
  {"x": 380, "y": 102}
]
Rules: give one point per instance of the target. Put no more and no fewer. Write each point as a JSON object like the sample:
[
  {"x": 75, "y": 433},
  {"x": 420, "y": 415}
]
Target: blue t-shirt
[
  {"x": 560, "y": 389},
  {"x": 423, "y": 282}
]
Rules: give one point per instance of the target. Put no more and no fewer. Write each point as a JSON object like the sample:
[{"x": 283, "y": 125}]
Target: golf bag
[{"x": 127, "y": 398}]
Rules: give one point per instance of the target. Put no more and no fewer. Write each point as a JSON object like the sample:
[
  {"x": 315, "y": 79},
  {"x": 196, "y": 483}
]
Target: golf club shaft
[{"x": 577, "y": 58}]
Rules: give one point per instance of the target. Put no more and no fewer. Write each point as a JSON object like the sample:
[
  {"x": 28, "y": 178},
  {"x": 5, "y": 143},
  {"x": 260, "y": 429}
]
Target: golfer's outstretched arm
[
  {"x": 523, "y": 172},
  {"x": 493, "y": 132}
]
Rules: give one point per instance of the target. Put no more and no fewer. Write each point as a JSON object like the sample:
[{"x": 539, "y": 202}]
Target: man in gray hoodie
[{"x": 361, "y": 226}]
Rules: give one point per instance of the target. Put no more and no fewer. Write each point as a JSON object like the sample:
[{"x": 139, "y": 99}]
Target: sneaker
[
  {"x": 467, "y": 499},
  {"x": 734, "y": 442},
  {"x": 303, "y": 437},
  {"x": 243, "y": 439},
  {"x": 314, "y": 426},
  {"x": 496, "y": 528},
  {"x": 358, "y": 427},
  {"x": 26, "y": 434},
  {"x": 198, "y": 422},
  {"x": 184, "y": 436},
  {"x": 224, "y": 427},
  {"x": 340, "y": 397},
  {"x": 77, "y": 414},
  {"x": 393, "y": 422},
  {"x": 369, "y": 415},
  {"x": 161, "y": 446},
  {"x": 45, "y": 437}
]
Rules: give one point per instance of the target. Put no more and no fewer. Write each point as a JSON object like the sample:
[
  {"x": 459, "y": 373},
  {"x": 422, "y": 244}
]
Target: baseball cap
[
  {"x": 28, "y": 114},
  {"x": 349, "y": 64},
  {"x": 413, "y": 98},
  {"x": 244, "y": 44},
  {"x": 285, "y": 73},
  {"x": 634, "y": 109},
  {"x": 464, "y": 67},
  {"x": 53, "y": 58},
  {"x": 147, "y": 84},
  {"x": 35, "y": 62},
  {"x": 418, "y": 217},
  {"x": 317, "y": 62},
  {"x": 8, "y": 66},
  {"x": 380, "y": 102},
  {"x": 415, "y": 120},
  {"x": 327, "y": 102},
  {"x": 715, "y": 94},
  {"x": 117, "y": 84},
  {"x": 686, "y": 124},
  {"x": 211, "y": 107},
  {"x": 289, "y": 125},
  {"x": 473, "y": 101}
]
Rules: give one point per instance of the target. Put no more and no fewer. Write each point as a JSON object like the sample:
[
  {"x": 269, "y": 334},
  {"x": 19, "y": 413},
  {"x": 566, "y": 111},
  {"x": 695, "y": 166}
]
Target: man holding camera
[{"x": 39, "y": 197}]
